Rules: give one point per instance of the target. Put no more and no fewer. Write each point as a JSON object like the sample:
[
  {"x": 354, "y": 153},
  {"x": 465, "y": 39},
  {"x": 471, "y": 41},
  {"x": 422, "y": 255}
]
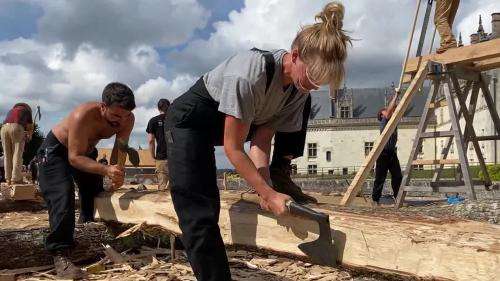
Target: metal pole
[
  {"x": 495, "y": 80},
  {"x": 424, "y": 28}
]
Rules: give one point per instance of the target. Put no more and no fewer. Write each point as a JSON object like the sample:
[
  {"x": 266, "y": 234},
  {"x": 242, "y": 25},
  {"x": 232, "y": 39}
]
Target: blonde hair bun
[
  {"x": 322, "y": 46},
  {"x": 332, "y": 16}
]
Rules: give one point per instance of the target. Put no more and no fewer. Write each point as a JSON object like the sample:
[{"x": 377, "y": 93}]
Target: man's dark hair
[
  {"x": 25, "y": 105},
  {"x": 379, "y": 114},
  {"x": 163, "y": 105},
  {"x": 120, "y": 94}
]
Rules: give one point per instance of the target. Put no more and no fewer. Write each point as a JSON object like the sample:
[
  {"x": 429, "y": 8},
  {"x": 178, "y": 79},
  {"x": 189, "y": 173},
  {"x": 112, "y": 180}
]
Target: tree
[{"x": 31, "y": 147}]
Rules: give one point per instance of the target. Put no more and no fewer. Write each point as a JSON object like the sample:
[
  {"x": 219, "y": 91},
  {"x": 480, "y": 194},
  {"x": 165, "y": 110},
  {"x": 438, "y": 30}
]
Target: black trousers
[
  {"x": 292, "y": 144},
  {"x": 194, "y": 127},
  {"x": 56, "y": 178},
  {"x": 387, "y": 161}
]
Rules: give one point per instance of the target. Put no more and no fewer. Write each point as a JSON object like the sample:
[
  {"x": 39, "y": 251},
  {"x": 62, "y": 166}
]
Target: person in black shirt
[
  {"x": 156, "y": 138},
  {"x": 388, "y": 159}
]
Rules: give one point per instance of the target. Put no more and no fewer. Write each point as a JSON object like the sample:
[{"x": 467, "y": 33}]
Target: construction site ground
[{"x": 24, "y": 224}]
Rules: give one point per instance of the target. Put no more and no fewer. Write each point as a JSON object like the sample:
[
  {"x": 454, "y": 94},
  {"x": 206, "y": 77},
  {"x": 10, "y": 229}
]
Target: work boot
[
  {"x": 445, "y": 47},
  {"x": 65, "y": 269},
  {"x": 282, "y": 182}
]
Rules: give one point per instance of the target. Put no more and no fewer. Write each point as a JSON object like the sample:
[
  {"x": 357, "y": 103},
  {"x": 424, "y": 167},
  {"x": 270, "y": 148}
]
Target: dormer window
[{"x": 345, "y": 112}]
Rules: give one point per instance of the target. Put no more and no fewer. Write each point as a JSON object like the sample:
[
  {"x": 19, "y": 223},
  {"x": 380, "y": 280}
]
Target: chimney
[{"x": 495, "y": 25}]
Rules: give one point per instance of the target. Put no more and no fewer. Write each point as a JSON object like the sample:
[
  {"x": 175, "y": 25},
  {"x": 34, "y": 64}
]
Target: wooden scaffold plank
[{"x": 485, "y": 55}]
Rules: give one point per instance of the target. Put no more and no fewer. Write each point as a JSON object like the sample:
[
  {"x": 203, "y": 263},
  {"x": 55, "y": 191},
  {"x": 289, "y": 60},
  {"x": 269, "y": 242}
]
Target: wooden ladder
[
  {"x": 447, "y": 78},
  {"x": 468, "y": 62}
]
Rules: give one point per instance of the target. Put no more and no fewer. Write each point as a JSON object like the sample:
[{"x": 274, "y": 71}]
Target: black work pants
[
  {"x": 194, "y": 127},
  {"x": 387, "y": 162},
  {"x": 56, "y": 179},
  {"x": 292, "y": 144}
]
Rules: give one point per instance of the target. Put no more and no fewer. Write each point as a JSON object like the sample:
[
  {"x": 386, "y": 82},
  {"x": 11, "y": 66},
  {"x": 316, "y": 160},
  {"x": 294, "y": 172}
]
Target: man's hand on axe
[{"x": 117, "y": 176}]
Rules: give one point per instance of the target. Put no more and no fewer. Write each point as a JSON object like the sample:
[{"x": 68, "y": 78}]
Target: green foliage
[
  {"x": 493, "y": 171},
  {"x": 232, "y": 176},
  {"x": 32, "y": 146}
]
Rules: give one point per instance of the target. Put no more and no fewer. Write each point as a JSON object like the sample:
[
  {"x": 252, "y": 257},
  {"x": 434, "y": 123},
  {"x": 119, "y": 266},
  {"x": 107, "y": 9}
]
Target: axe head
[
  {"x": 133, "y": 155},
  {"x": 320, "y": 251}
]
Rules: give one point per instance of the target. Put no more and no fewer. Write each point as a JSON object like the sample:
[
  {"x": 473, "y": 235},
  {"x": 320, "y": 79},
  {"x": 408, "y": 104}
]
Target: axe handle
[
  {"x": 251, "y": 197},
  {"x": 294, "y": 208},
  {"x": 305, "y": 212},
  {"x": 119, "y": 156}
]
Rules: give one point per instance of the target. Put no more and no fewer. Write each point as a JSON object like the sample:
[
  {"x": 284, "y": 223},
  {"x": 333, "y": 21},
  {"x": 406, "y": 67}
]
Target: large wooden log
[{"x": 457, "y": 250}]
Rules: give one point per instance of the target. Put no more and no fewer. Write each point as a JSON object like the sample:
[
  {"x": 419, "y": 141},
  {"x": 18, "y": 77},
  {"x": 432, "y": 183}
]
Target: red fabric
[{"x": 20, "y": 115}]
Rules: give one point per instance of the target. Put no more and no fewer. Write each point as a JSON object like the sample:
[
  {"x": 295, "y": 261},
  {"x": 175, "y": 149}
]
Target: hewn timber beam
[
  {"x": 486, "y": 64},
  {"x": 439, "y": 249},
  {"x": 483, "y": 55},
  {"x": 370, "y": 160},
  {"x": 435, "y": 161}
]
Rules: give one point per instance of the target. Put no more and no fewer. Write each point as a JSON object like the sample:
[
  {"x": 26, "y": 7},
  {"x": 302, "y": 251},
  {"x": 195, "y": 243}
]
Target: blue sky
[{"x": 59, "y": 53}]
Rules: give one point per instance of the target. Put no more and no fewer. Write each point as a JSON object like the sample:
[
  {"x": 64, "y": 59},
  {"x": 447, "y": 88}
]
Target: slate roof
[{"x": 366, "y": 102}]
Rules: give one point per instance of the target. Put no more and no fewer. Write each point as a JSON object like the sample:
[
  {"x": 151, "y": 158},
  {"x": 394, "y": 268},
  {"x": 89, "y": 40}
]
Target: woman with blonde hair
[{"x": 249, "y": 96}]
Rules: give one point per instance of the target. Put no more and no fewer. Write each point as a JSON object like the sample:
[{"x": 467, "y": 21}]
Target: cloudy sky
[{"x": 57, "y": 53}]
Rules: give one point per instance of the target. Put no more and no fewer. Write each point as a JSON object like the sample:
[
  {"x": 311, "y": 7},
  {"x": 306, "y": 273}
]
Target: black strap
[
  {"x": 292, "y": 94},
  {"x": 270, "y": 63}
]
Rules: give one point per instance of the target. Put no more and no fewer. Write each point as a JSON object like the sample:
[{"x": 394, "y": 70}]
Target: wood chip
[{"x": 132, "y": 230}]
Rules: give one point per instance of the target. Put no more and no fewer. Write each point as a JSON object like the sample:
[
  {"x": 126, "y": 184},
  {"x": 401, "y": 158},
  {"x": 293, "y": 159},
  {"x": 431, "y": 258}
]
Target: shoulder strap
[
  {"x": 270, "y": 65},
  {"x": 292, "y": 95}
]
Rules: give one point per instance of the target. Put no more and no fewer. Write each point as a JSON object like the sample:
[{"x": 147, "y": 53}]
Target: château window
[
  {"x": 368, "y": 147},
  {"x": 344, "y": 112},
  {"x": 312, "y": 150},
  {"x": 312, "y": 169}
]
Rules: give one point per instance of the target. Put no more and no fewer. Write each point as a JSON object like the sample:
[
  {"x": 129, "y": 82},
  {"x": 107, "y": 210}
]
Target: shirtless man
[{"x": 68, "y": 155}]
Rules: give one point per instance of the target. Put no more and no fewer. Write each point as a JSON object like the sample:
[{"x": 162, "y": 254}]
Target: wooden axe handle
[
  {"x": 250, "y": 197},
  {"x": 120, "y": 158}
]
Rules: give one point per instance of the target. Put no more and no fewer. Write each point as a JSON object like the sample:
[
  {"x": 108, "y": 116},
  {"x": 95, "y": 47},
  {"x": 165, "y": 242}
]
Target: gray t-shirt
[{"x": 239, "y": 86}]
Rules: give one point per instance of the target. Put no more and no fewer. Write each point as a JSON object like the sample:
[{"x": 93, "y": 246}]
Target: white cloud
[
  {"x": 274, "y": 24},
  {"x": 82, "y": 45},
  {"x": 154, "y": 89},
  {"x": 41, "y": 74},
  {"x": 116, "y": 25},
  {"x": 381, "y": 30}
]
